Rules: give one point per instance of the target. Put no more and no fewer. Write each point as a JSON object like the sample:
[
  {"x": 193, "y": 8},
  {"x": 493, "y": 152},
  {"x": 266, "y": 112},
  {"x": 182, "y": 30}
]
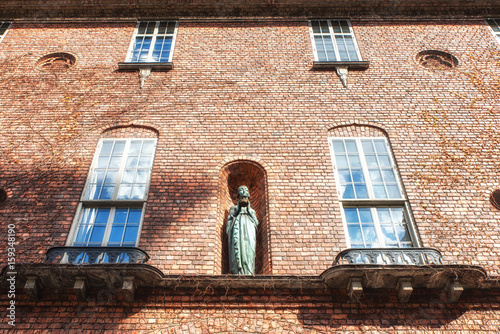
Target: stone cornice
[{"x": 150, "y": 9}]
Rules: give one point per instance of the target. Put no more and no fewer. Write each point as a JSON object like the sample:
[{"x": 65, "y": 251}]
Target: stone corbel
[
  {"x": 32, "y": 287},
  {"x": 128, "y": 288},
  {"x": 343, "y": 71},
  {"x": 454, "y": 291},
  {"x": 355, "y": 289},
  {"x": 144, "y": 73}
]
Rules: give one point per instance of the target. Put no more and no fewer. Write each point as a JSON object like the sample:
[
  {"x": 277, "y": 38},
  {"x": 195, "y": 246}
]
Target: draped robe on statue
[{"x": 242, "y": 236}]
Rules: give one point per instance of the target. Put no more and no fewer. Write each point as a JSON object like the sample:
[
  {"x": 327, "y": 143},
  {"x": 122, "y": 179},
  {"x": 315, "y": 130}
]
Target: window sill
[
  {"x": 135, "y": 66},
  {"x": 332, "y": 65}
]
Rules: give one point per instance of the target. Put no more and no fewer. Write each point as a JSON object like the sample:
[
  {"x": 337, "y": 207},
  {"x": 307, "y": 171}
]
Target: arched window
[{"x": 374, "y": 206}]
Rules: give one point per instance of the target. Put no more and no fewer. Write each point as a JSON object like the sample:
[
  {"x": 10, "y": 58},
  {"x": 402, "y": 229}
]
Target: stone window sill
[{"x": 135, "y": 66}]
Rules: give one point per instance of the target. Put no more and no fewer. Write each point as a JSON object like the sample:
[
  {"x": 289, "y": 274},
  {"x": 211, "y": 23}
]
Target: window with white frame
[
  {"x": 153, "y": 42},
  {"x": 113, "y": 202},
  {"x": 495, "y": 27},
  {"x": 374, "y": 209},
  {"x": 333, "y": 40},
  {"x": 4, "y": 26}
]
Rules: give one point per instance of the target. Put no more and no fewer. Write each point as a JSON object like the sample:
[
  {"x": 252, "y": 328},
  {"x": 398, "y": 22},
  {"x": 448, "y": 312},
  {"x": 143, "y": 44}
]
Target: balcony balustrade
[
  {"x": 95, "y": 255},
  {"x": 389, "y": 256}
]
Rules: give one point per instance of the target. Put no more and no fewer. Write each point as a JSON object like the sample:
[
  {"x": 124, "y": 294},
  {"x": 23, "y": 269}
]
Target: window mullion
[
  {"x": 121, "y": 169},
  {"x": 334, "y": 41},
  {"x": 153, "y": 41},
  {"x": 378, "y": 227},
  {"x": 109, "y": 223},
  {"x": 364, "y": 167}
]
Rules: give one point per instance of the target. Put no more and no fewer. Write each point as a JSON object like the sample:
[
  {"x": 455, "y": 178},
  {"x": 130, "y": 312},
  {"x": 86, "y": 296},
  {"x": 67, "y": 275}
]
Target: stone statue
[{"x": 242, "y": 235}]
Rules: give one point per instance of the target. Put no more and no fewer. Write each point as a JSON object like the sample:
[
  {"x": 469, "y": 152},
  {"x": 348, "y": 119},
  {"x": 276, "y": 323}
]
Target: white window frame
[
  {"x": 113, "y": 203},
  {"x": 334, "y": 42},
  {"x": 153, "y": 40},
  {"x": 497, "y": 23},
  {"x": 9, "y": 24},
  {"x": 373, "y": 203}
]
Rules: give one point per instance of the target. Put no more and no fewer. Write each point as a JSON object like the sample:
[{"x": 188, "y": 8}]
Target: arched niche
[{"x": 252, "y": 175}]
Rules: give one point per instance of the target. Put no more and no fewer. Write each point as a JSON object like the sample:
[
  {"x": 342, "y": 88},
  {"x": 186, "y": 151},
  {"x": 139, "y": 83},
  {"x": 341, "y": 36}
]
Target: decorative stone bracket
[
  {"x": 342, "y": 67},
  {"x": 144, "y": 69}
]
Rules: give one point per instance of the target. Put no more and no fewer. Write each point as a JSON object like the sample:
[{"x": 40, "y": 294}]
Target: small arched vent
[
  {"x": 56, "y": 62},
  {"x": 436, "y": 60},
  {"x": 495, "y": 198}
]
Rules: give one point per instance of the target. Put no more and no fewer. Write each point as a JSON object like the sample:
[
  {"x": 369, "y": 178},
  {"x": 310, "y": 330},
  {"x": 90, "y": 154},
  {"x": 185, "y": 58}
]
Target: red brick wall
[{"x": 246, "y": 91}]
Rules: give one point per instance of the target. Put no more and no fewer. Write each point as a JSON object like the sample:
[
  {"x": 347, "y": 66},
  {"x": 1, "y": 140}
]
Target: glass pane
[
  {"x": 94, "y": 192},
  {"x": 354, "y": 160},
  {"x": 107, "y": 192},
  {"x": 145, "y": 162},
  {"x": 345, "y": 176},
  {"x": 135, "y": 147},
  {"x": 120, "y": 217},
  {"x": 102, "y": 161},
  {"x": 134, "y": 216},
  {"x": 142, "y": 27},
  {"x": 402, "y": 233},
  {"x": 367, "y": 146},
  {"x": 128, "y": 176},
  {"x": 342, "y": 48},
  {"x": 124, "y": 192},
  {"x": 116, "y": 234},
  {"x": 371, "y": 161},
  {"x": 97, "y": 234},
  {"x": 351, "y": 48},
  {"x": 355, "y": 235},
  {"x": 324, "y": 27},
  {"x": 106, "y": 148},
  {"x": 162, "y": 27},
  {"x": 351, "y": 146},
  {"x": 344, "y": 26},
  {"x": 365, "y": 215},
  {"x": 357, "y": 175},
  {"x": 384, "y": 215},
  {"x": 397, "y": 215},
  {"x": 351, "y": 215},
  {"x": 393, "y": 191},
  {"x": 336, "y": 27},
  {"x": 111, "y": 176},
  {"x": 379, "y": 191},
  {"x": 389, "y": 176},
  {"x": 98, "y": 176},
  {"x": 341, "y": 161},
  {"x": 320, "y": 49},
  {"x": 83, "y": 233},
  {"x": 330, "y": 51},
  {"x": 131, "y": 162},
  {"x": 151, "y": 28},
  {"x": 338, "y": 146},
  {"x": 389, "y": 235},
  {"x": 119, "y": 147},
  {"x": 171, "y": 28},
  {"x": 380, "y": 146},
  {"x": 115, "y": 161},
  {"x": 347, "y": 192},
  {"x": 131, "y": 234},
  {"x": 315, "y": 27},
  {"x": 361, "y": 191},
  {"x": 142, "y": 176},
  {"x": 148, "y": 147},
  {"x": 138, "y": 192},
  {"x": 102, "y": 216},
  {"x": 370, "y": 233},
  {"x": 384, "y": 161},
  {"x": 375, "y": 175}
]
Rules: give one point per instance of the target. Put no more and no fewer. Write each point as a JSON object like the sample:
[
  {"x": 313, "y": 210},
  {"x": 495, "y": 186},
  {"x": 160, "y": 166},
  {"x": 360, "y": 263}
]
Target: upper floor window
[
  {"x": 153, "y": 41},
  {"x": 113, "y": 202},
  {"x": 495, "y": 27},
  {"x": 333, "y": 40},
  {"x": 4, "y": 26},
  {"x": 374, "y": 209}
]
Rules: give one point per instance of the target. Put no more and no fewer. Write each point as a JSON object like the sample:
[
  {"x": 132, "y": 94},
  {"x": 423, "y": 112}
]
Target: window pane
[
  {"x": 116, "y": 235},
  {"x": 351, "y": 215},
  {"x": 338, "y": 146},
  {"x": 379, "y": 191},
  {"x": 354, "y": 160},
  {"x": 361, "y": 191},
  {"x": 341, "y": 161},
  {"x": 315, "y": 27},
  {"x": 355, "y": 234},
  {"x": 345, "y": 176},
  {"x": 131, "y": 234},
  {"x": 365, "y": 215},
  {"x": 134, "y": 216},
  {"x": 347, "y": 192}
]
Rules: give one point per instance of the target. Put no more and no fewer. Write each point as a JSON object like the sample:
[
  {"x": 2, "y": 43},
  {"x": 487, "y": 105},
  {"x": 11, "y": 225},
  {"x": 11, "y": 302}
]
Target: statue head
[{"x": 243, "y": 192}]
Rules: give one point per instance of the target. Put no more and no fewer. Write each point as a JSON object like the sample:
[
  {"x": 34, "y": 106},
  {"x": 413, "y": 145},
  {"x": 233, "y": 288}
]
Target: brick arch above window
[
  {"x": 357, "y": 130},
  {"x": 130, "y": 131}
]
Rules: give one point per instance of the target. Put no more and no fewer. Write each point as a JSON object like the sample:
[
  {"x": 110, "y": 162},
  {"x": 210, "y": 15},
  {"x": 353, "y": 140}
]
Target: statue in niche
[{"x": 242, "y": 235}]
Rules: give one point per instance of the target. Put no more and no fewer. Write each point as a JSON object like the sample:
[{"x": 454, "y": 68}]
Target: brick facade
[{"x": 244, "y": 103}]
